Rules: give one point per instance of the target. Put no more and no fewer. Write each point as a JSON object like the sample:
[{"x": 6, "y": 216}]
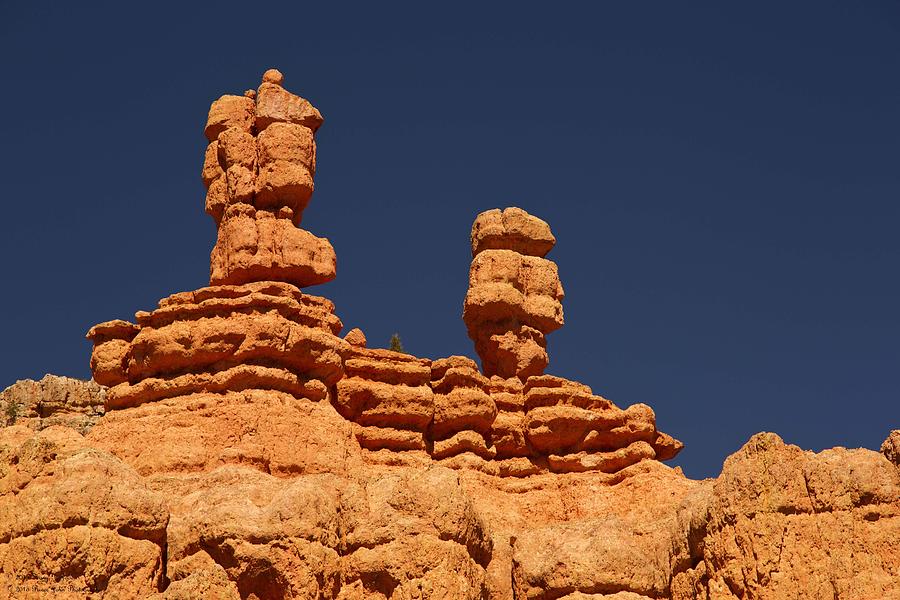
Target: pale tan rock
[
  {"x": 52, "y": 401},
  {"x": 891, "y": 447}
]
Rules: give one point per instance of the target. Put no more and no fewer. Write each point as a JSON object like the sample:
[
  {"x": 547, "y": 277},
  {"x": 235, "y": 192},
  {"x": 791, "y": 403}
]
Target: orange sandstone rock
[
  {"x": 258, "y": 245},
  {"x": 514, "y": 297},
  {"x": 276, "y": 105},
  {"x": 76, "y": 518},
  {"x": 356, "y": 337},
  {"x": 229, "y": 111},
  {"x": 891, "y": 447},
  {"x": 511, "y": 229},
  {"x": 249, "y": 452}
]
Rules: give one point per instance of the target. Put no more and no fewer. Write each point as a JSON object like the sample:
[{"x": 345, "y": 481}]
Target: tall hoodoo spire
[
  {"x": 515, "y": 295},
  {"x": 258, "y": 171},
  {"x": 253, "y": 331}
]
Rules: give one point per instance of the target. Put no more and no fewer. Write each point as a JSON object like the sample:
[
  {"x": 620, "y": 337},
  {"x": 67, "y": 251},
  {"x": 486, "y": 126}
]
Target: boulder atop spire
[{"x": 511, "y": 229}]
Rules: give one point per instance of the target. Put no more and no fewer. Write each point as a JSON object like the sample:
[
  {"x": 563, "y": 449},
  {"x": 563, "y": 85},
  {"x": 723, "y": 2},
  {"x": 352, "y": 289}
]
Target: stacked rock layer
[
  {"x": 254, "y": 329},
  {"x": 258, "y": 171},
  {"x": 264, "y": 335},
  {"x": 514, "y": 297}
]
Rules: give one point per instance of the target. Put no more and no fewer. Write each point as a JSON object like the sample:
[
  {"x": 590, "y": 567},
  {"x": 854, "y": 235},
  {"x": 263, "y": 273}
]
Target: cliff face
[{"x": 249, "y": 451}]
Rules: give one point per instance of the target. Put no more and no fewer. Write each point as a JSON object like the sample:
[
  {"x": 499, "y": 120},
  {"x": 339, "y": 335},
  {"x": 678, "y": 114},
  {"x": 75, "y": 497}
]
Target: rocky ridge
[{"x": 248, "y": 451}]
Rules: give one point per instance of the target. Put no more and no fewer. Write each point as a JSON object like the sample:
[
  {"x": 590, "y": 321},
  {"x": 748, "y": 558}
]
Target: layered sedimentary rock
[
  {"x": 264, "y": 335},
  {"x": 53, "y": 401},
  {"x": 249, "y": 452},
  {"x": 514, "y": 297},
  {"x": 258, "y": 171}
]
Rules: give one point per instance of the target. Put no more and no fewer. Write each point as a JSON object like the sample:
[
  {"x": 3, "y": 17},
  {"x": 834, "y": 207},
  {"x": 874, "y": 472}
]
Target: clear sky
[{"x": 723, "y": 180}]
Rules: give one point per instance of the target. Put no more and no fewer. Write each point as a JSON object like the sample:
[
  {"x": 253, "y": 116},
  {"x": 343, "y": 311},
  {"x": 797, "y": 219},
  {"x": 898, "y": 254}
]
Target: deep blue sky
[{"x": 723, "y": 180}]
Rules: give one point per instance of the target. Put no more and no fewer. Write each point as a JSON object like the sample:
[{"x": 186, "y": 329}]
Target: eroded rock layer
[
  {"x": 777, "y": 523},
  {"x": 265, "y": 335},
  {"x": 53, "y": 401}
]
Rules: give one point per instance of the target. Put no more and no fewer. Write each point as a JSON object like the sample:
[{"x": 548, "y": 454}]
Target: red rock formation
[
  {"x": 248, "y": 452},
  {"x": 258, "y": 171},
  {"x": 265, "y": 335},
  {"x": 514, "y": 293}
]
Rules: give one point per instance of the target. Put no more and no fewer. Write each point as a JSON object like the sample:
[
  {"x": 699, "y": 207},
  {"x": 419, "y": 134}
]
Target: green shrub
[
  {"x": 396, "y": 344},
  {"x": 11, "y": 411}
]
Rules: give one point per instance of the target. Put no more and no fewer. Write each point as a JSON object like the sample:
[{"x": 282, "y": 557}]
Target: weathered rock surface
[
  {"x": 511, "y": 229},
  {"x": 75, "y": 520},
  {"x": 258, "y": 245},
  {"x": 783, "y": 523},
  {"x": 249, "y": 452},
  {"x": 258, "y": 172},
  {"x": 515, "y": 295},
  {"x": 52, "y": 401},
  {"x": 891, "y": 447},
  {"x": 264, "y": 335}
]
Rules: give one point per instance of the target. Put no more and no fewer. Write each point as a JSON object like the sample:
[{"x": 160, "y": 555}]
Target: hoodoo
[
  {"x": 255, "y": 328},
  {"x": 232, "y": 445}
]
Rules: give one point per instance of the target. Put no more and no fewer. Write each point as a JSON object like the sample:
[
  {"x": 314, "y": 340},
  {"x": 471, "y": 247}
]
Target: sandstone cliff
[{"x": 233, "y": 445}]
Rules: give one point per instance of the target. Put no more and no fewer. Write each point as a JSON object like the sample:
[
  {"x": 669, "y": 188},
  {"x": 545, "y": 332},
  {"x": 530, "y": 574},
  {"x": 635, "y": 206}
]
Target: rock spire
[
  {"x": 514, "y": 298},
  {"x": 258, "y": 172}
]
